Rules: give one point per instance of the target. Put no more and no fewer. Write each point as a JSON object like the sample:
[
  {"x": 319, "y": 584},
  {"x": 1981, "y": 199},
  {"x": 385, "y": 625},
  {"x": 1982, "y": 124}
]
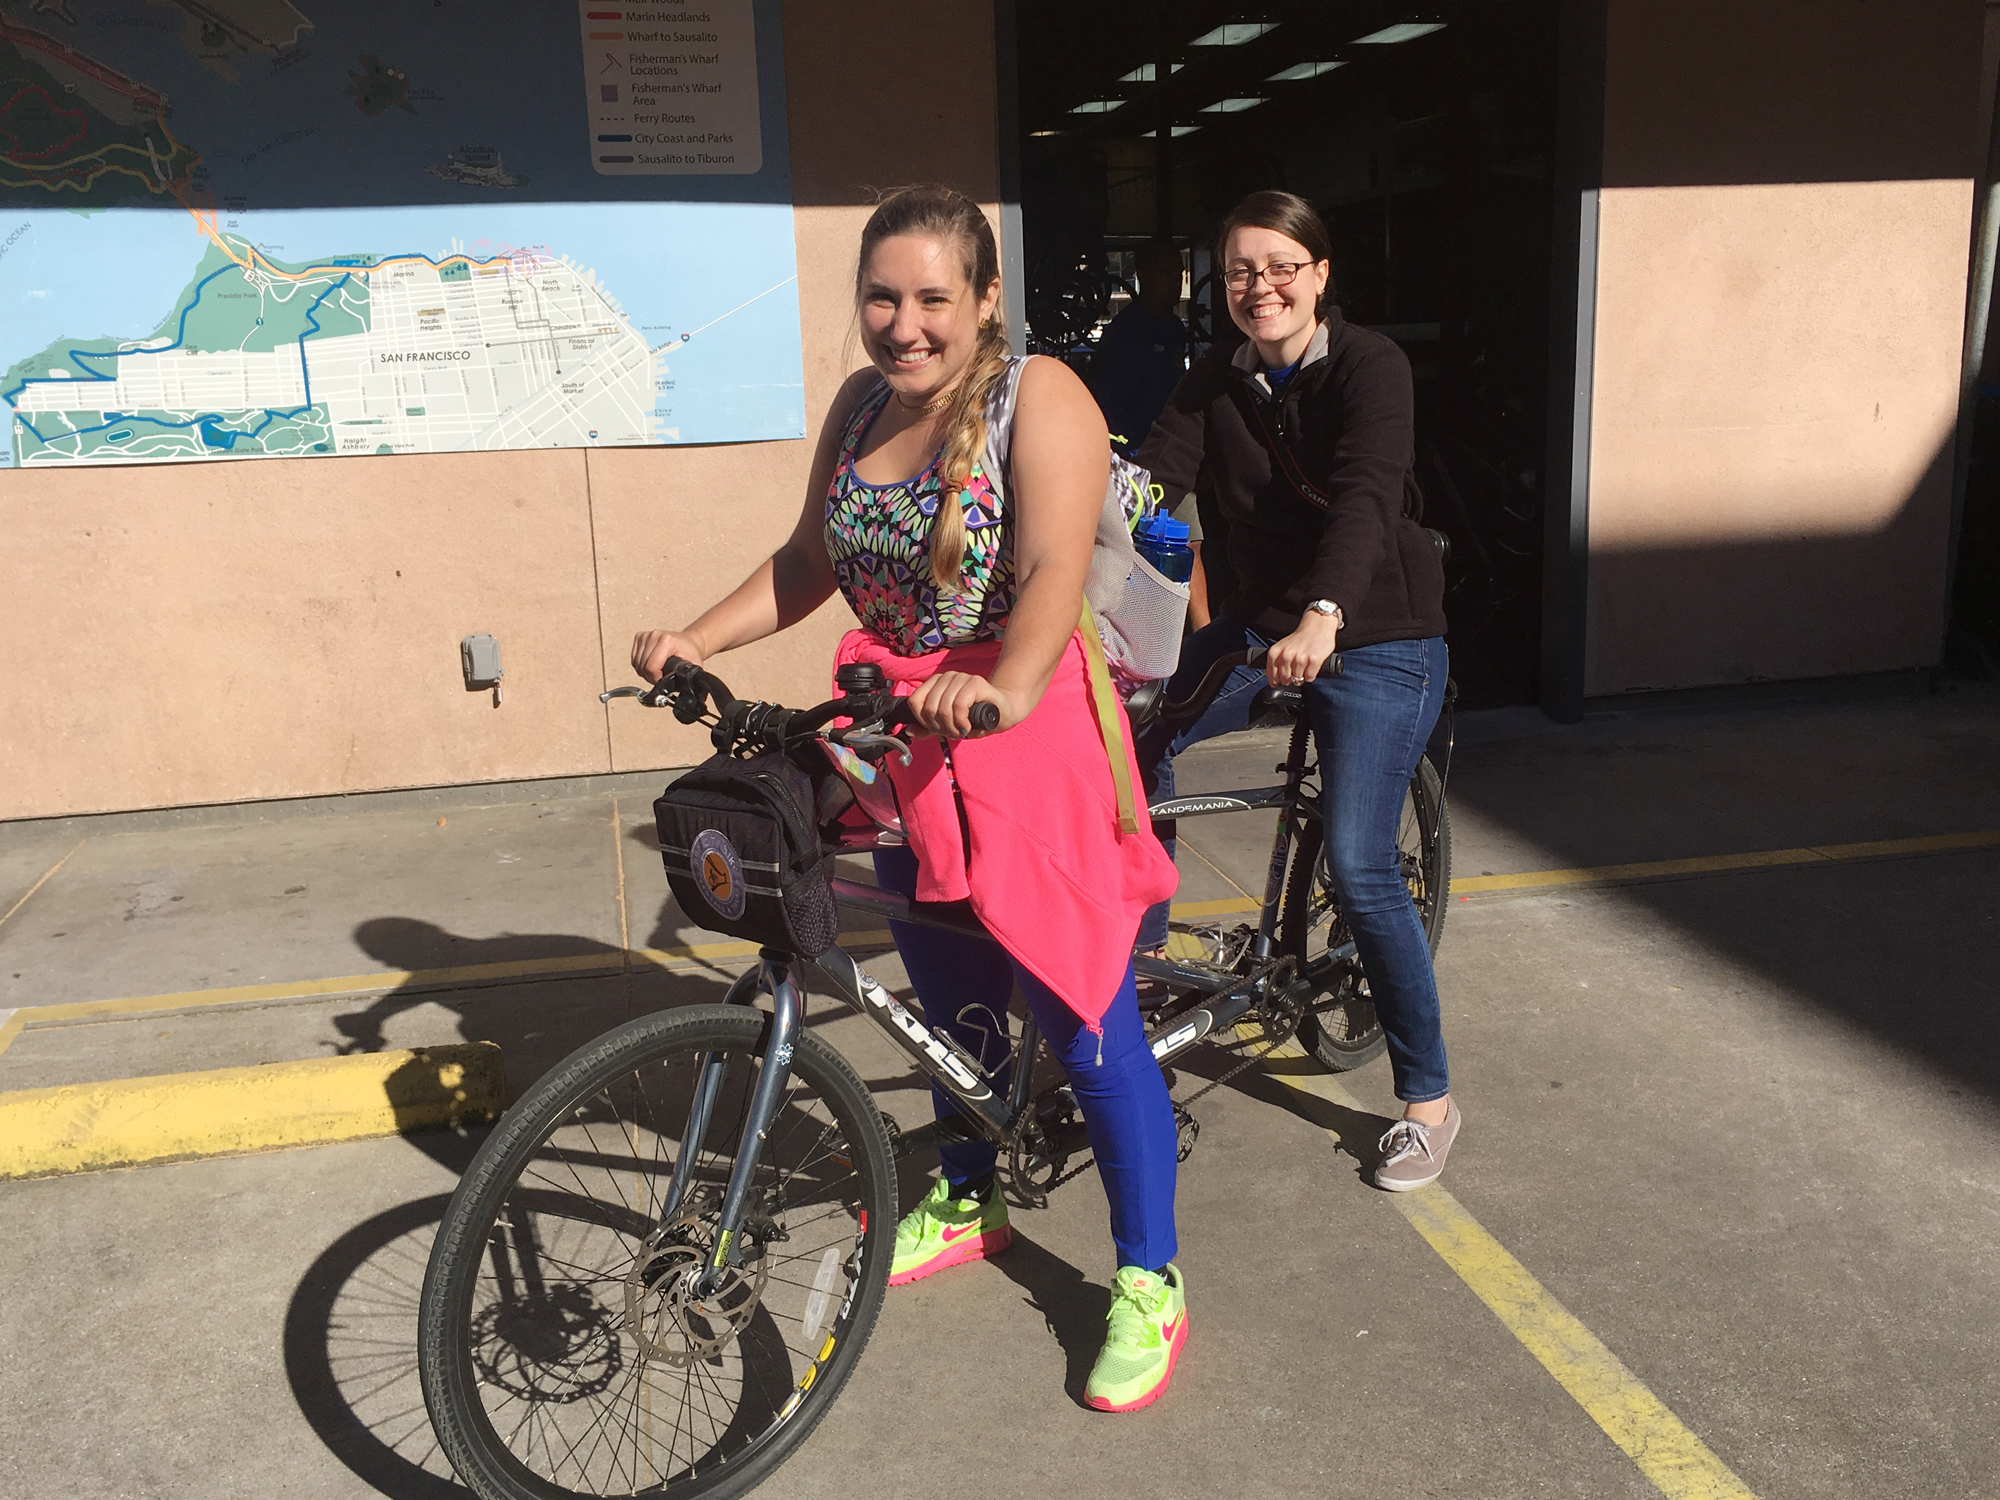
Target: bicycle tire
[
  {"x": 1339, "y": 1026},
  {"x": 577, "y": 1354}
]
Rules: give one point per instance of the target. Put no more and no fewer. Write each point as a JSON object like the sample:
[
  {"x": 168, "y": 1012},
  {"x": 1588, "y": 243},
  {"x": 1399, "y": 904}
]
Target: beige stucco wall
[
  {"x": 1776, "y": 383},
  {"x": 1780, "y": 301},
  {"x": 218, "y": 632}
]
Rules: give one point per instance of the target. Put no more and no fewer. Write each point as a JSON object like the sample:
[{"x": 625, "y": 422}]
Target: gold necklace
[{"x": 929, "y": 406}]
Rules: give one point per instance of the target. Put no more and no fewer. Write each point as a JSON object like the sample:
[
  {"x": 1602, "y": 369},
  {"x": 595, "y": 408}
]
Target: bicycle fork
[{"x": 787, "y": 1013}]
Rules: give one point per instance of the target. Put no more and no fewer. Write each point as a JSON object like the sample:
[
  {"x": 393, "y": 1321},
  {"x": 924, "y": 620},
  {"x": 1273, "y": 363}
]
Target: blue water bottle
[{"x": 1163, "y": 542}]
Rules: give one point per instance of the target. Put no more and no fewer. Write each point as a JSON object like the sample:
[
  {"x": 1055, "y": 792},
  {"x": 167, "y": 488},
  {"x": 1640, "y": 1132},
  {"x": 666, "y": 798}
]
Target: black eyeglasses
[{"x": 1278, "y": 273}]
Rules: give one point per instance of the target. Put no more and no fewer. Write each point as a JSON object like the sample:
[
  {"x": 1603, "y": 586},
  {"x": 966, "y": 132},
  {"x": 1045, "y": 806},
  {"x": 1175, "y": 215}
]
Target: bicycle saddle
[
  {"x": 1144, "y": 705},
  {"x": 1275, "y": 707}
]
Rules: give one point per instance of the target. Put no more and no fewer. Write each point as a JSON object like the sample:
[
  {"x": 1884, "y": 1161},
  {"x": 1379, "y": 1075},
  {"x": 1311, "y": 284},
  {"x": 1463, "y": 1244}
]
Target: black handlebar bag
[{"x": 743, "y": 853}]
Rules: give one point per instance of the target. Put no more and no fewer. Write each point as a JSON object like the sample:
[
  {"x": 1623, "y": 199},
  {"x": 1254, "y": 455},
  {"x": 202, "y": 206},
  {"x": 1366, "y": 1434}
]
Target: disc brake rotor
[{"x": 665, "y": 1315}]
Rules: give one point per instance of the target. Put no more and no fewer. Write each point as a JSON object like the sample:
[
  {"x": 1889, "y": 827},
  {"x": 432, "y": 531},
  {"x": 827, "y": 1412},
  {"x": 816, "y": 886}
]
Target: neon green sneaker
[
  {"x": 943, "y": 1231},
  {"x": 1148, "y": 1327}
]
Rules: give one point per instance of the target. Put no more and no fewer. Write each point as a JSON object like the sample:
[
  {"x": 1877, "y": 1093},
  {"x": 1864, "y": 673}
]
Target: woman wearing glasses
[{"x": 1299, "y": 443}]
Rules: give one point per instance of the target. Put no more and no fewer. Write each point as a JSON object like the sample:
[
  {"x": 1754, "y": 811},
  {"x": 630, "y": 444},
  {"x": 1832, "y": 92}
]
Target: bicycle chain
[
  {"x": 1278, "y": 978},
  {"x": 1038, "y": 1197},
  {"x": 1249, "y": 1062}
]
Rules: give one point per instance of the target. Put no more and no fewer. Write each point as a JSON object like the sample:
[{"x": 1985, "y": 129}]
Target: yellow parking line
[
  {"x": 1678, "y": 1463},
  {"x": 605, "y": 962},
  {"x": 612, "y": 961},
  {"x": 1715, "y": 864},
  {"x": 1227, "y": 906},
  {"x": 1469, "y": 885}
]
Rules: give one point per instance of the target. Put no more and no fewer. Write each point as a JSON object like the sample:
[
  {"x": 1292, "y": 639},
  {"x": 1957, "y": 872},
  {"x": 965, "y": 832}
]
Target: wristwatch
[{"x": 1328, "y": 607}]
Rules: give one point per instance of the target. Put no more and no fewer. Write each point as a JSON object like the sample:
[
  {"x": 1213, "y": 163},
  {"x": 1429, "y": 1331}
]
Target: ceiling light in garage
[
  {"x": 1304, "y": 70},
  {"x": 1230, "y": 106},
  {"x": 1045, "y": 132},
  {"x": 1235, "y": 34},
  {"x": 1178, "y": 132},
  {"x": 1147, "y": 72},
  {"x": 1403, "y": 31},
  {"x": 1097, "y": 107}
]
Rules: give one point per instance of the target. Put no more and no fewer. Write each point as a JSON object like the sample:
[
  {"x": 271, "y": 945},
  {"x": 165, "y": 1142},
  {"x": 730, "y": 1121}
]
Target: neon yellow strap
[{"x": 1109, "y": 722}]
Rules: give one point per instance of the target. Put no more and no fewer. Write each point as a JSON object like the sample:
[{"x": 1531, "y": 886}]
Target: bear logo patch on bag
[{"x": 720, "y": 871}]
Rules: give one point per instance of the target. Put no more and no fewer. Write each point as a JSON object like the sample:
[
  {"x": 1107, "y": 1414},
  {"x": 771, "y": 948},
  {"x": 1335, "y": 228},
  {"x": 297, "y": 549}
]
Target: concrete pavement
[{"x": 1744, "y": 1126}]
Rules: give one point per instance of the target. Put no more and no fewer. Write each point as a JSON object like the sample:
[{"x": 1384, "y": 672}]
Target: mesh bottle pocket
[{"x": 1141, "y": 613}]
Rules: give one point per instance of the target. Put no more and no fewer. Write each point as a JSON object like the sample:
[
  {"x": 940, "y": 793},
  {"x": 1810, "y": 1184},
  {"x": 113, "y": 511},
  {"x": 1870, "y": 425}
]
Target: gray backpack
[{"x": 1140, "y": 613}]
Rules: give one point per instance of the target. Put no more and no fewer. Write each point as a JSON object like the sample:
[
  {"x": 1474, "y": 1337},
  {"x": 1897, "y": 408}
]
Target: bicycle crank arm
[
  {"x": 954, "y": 1131},
  {"x": 787, "y": 1013},
  {"x": 1334, "y": 958}
]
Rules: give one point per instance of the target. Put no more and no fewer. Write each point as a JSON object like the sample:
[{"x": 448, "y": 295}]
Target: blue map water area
[{"x": 114, "y": 274}]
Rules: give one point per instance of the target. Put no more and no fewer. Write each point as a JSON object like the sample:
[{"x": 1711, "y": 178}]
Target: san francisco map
[{"x": 239, "y": 228}]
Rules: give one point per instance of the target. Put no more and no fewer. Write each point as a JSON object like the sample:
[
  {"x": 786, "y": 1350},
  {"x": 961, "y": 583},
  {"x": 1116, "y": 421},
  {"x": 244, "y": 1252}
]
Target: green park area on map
[{"x": 226, "y": 315}]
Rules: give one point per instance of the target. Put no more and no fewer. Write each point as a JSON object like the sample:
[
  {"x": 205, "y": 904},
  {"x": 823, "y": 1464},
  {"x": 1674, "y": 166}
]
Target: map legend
[{"x": 672, "y": 89}]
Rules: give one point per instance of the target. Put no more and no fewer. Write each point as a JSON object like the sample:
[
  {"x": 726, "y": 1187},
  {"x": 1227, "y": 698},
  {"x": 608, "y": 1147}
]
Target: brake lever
[
  {"x": 649, "y": 697},
  {"x": 888, "y": 743}
]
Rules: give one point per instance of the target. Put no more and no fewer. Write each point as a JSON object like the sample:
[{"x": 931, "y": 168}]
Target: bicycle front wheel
[
  {"x": 1340, "y": 1026},
  {"x": 564, "y": 1346}
]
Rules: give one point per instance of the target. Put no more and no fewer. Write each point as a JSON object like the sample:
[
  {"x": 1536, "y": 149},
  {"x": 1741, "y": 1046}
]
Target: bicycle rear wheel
[
  {"x": 1340, "y": 1026},
  {"x": 564, "y": 1350}
]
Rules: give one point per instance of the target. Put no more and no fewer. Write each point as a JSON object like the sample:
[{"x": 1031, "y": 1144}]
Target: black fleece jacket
[{"x": 1347, "y": 416}]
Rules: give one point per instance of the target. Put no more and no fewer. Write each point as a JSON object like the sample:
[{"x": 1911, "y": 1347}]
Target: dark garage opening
[{"x": 1427, "y": 150}]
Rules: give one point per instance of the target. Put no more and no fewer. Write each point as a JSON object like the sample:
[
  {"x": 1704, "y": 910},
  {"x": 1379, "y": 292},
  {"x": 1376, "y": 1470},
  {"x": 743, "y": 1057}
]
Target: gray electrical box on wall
[{"x": 480, "y": 656}]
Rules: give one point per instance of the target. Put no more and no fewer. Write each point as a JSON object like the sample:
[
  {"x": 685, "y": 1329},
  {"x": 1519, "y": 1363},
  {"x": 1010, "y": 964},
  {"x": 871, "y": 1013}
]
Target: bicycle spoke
[{"x": 598, "y": 1361}]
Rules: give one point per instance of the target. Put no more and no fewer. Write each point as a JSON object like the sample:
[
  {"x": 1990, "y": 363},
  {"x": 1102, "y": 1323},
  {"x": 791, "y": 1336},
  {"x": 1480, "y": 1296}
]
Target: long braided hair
[{"x": 953, "y": 220}]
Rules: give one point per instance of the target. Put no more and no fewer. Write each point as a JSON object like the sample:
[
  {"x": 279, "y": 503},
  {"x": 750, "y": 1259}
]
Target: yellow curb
[{"x": 90, "y": 1126}]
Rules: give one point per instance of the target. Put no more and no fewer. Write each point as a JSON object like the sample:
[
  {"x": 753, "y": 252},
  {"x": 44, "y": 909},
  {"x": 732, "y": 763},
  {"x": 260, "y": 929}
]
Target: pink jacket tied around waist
[{"x": 1046, "y": 871}]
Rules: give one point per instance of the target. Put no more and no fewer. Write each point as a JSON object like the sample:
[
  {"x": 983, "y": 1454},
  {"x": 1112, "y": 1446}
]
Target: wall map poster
[{"x": 258, "y": 228}]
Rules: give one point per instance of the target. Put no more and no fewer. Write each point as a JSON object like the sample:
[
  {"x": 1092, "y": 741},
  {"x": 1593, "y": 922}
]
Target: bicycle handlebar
[
  {"x": 1186, "y": 709},
  {"x": 691, "y": 692}
]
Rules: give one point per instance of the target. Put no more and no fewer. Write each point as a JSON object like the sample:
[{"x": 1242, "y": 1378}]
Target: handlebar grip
[
  {"x": 985, "y": 716},
  {"x": 1331, "y": 667}
]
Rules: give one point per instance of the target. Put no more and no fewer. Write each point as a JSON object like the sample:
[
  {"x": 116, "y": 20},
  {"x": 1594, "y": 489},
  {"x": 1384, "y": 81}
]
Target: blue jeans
[
  {"x": 1371, "y": 724},
  {"x": 963, "y": 986}
]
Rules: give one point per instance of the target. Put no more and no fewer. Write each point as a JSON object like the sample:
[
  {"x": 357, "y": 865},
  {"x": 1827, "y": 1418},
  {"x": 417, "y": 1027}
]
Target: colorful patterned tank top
[{"x": 879, "y": 538}]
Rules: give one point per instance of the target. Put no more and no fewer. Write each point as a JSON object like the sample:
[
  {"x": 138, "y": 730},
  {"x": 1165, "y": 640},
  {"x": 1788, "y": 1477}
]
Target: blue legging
[{"x": 963, "y": 986}]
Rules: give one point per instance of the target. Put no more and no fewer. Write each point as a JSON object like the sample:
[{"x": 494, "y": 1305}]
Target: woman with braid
[{"x": 966, "y": 576}]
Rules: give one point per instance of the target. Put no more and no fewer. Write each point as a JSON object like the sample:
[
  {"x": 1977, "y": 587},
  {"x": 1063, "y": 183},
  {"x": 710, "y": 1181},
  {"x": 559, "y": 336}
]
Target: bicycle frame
[{"x": 1205, "y": 1001}]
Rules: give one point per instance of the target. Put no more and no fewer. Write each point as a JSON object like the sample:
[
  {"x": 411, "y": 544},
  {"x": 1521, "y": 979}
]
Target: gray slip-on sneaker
[{"x": 1413, "y": 1153}]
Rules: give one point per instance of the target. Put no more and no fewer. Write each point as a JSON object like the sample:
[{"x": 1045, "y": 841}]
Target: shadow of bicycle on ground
[{"x": 350, "y": 1337}]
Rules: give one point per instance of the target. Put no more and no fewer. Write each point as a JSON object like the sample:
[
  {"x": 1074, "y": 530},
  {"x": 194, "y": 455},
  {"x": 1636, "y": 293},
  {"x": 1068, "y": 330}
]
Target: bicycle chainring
[{"x": 1036, "y": 1163}]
